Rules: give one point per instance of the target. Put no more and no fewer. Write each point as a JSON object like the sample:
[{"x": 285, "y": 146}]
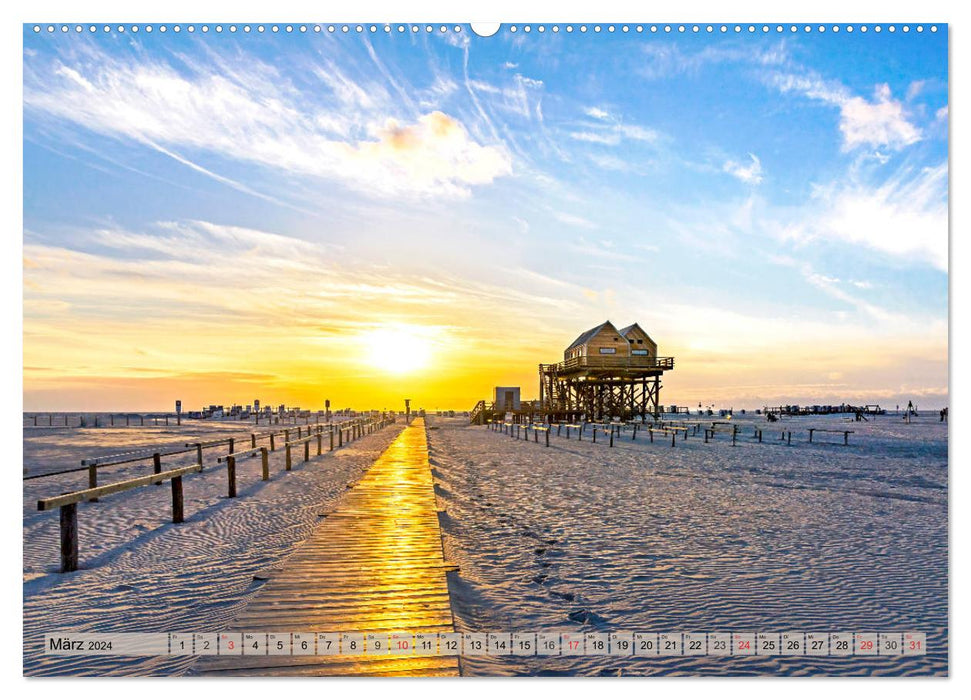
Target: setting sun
[{"x": 398, "y": 349}]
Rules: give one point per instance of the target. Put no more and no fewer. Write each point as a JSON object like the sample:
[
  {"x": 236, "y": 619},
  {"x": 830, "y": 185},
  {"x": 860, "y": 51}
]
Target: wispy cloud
[
  {"x": 749, "y": 173},
  {"x": 244, "y": 115},
  {"x": 905, "y": 216},
  {"x": 880, "y": 122}
]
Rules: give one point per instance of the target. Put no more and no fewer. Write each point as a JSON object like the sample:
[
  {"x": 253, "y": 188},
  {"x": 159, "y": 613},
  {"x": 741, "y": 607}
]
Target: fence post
[
  {"x": 272, "y": 442},
  {"x": 332, "y": 437},
  {"x": 232, "y": 445},
  {"x": 157, "y": 466},
  {"x": 289, "y": 463},
  {"x": 594, "y": 436},
  {"x": 547, "y": 438},
  {"x": 252, "y": 440},
  {"x": 92, "y": 480},
  {"x": 611, "y": 437},
  {"x": 265, "y": 458},
  {"x": 231, "y": 473},
  {"x": 319, "y": 441},
  {"x": 306, "y": 450},
  {"x": 340, "y": 437},
  {"x": 69, "y": 537},
  {"x": 178, "y": 513},
  {"x": 634, "y": 433},
  {"x": 811, "y": 434},
  {"x": 199, "y": 452}
]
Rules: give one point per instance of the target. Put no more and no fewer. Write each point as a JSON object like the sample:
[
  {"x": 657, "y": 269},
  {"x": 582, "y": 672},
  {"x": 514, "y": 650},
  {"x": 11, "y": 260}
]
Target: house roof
[
  {"x": 587, "y": 335},
  {"x": 627, "y": 329}
]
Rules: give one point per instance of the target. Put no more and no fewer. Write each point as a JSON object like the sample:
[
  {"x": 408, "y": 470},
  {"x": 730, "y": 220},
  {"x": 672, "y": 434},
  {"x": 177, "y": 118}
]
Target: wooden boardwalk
[{"x": 373, "y": 565}]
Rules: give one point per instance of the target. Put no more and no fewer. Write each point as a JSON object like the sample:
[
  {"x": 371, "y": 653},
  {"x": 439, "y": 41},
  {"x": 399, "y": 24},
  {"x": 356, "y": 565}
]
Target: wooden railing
[
  {"x": 635, "y": 362},
  {"x": 68, "y": 502}
]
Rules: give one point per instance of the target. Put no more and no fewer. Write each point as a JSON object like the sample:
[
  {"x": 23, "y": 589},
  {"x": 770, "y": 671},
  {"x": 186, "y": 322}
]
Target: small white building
[{"x": 506, "y": 398}]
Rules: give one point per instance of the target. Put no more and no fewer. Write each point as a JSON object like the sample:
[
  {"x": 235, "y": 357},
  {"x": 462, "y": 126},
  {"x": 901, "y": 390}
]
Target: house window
[
  {"x": 638, "y": 352},
  {"x": 608, "y": 351},
  {"x": 640, "y": 342}
]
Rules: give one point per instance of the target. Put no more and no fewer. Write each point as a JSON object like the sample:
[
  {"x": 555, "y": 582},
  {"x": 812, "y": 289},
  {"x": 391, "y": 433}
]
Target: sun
[{"x": 398, "y": 349}]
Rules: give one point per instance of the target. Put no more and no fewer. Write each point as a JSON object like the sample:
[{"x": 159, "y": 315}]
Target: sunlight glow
[{"x": 398, "y": 349}]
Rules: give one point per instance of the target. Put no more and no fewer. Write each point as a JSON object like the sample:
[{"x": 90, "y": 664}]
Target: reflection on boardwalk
[{"x": 374, "y": 565}]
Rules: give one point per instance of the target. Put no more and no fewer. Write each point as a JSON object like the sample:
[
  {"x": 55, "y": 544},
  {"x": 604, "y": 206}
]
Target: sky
[{"x": 364, "y": 217}]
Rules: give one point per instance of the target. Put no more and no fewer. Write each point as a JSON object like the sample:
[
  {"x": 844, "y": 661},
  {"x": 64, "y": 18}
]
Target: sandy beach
[
  {"x": 574, "y": 537},
  {"x": 141, "y": 573},
  {"x": 757, "y": 537}
]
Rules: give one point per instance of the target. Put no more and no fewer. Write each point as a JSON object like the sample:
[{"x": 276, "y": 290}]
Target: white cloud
[
  {"x": 596, "y": 113},
  {"x": 749, "y": 173},
  {"x": 905, "y": 217},
  {"x": 880, "y": 122},
  {"x": 252, "y": 117},
  {"x": 573, "y": 220}
]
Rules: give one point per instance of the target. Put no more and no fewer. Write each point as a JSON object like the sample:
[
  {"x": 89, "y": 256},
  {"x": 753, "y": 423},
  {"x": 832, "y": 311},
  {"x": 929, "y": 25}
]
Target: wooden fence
[
  {"x": 673, "y": 429},
  {"x": 68, "y": 503}
]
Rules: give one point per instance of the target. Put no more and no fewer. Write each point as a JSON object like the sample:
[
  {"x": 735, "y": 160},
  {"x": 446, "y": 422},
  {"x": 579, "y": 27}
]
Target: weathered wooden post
[
  {"x": 306, "y": 450},
  {"x": 547, "y": 437},
  {"x": 734, "y": 434},
  {"x": 69, "y": 537},
  {"x": 634, "y": 433},
  {"x": 340, "y": 437},
  {"x": 594, "y": 436},
  {"x": 811, "y": 434},
  {"x": 272, "y": 442},
  {"x": 611, "y": 437},
  {"x": 320, "y": 438},
  {"x": 93, "y": 480},
  {"x": 157, "y": 466},
  {"x": 231, "y": 475},
  {"x": 199, "y": 452},
  {"x": 35, "y": 421},
  {"x": 178, "y": 513},
  {"x": 286, "y": 436},
  {"x": 674, "y": 437},
  {"x": 289, "y": 463},
  {"x": 332, "y": 437},
  {"x": 265, "y": 458},
  {"x": 252, "y": 440},
  {"x": 299, "y": 432},
  {"x": 232, "y": 445},
  {"x": 112, "y": 418}
]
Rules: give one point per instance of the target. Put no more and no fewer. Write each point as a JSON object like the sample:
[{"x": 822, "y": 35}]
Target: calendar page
[{"x": 515, "y": 349}]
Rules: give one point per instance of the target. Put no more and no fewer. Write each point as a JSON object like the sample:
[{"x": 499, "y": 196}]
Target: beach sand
[
  {"x": 140, "y": 573},
  {"x": 708, "y": 538},
  {"x": 574, "y": 537}
]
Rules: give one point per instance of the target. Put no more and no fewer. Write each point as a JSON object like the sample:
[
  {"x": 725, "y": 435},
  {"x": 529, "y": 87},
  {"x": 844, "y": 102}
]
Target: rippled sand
[
  {"x": 757, "y": 537},
  {"x": 140, "y": 573}
]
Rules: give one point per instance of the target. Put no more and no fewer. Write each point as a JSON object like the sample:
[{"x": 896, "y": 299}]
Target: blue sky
[{"x": 771, "y": 207}]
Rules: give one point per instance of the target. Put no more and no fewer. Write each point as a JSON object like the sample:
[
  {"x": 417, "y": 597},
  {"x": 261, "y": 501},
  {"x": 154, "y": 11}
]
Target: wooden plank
[
  {"x": 373, "y": 565},
  {"x": 107, "y": 489}
]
